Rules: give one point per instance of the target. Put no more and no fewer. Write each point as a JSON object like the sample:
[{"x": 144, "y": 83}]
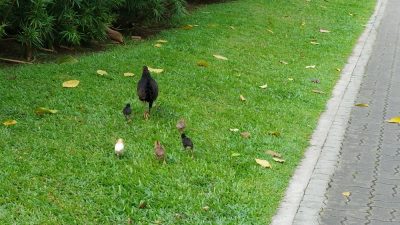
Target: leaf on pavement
[
  {"x": 394, "y": 120},
  {"x": 362, "y": 105},
  {"x": 346, "y": 194}
]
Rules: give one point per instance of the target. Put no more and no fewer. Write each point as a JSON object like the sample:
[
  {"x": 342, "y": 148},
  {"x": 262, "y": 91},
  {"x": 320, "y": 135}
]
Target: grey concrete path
[{"x": 353, "y": 148}]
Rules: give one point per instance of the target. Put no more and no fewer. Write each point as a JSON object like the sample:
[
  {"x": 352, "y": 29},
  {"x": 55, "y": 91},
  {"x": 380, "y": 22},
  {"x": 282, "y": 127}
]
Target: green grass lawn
[{"x": 61, "y": 168}]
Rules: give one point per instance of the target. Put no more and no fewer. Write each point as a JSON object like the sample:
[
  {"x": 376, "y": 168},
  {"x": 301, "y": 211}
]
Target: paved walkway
[{"x": 353, "y": 149}]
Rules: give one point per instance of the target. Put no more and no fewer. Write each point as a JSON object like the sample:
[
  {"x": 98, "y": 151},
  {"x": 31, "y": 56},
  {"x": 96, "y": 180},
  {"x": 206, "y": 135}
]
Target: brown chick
[
  {"x": 181, "y": 125},
  {"x": 159, "y": 151}
]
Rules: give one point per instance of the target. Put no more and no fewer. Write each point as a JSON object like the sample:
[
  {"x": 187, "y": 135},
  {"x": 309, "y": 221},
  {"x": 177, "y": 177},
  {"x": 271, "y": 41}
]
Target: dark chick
[
  {"x": 187, "y": 143},
  {"x": 147, "y": 89},
  {"x": 127, "y": 111},
  {"x": 159, "y": 151}
]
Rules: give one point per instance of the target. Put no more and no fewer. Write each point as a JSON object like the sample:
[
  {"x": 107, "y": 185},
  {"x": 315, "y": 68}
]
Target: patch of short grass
[{"x": 61, "y": 168}]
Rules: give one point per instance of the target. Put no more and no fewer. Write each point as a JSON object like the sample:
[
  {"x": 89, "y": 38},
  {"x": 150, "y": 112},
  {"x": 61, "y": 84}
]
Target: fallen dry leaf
[
  {"x": 337, "y": 69},
  {"x": 8, "y": 123},
  {"x": 318, "y": 91},
  {"x": 235, "y": 154},
  {"x": 158, "y": 45},
  {"x": 70, "y": 83},
  {"x": 101, "y": 72},
  {"x": 162, "y": 41},
  {"x": 346, "y": 194},
  {"x": 270, "y": 31},
  {"x": 206, "y": 208},
  {"x": 362, "y": 104},
  {"x": 264, "y": 86},
  {"x": 303, "y": 23},
  {"x": 41, "y": 111},
  {"x": 245, "y": 134},
  {"x": 324, "y": 31},
  {"x": 290, "y": 79},
  {"x": 129, "y": 74},
  {"x": 278, "y": 160},
  {"x": 274, "y": 133},
  {"x": 154, "y": 70},
  {"x": 232, "y": 27},
  {"x": 283, "y": 62},
  {"x": 234, "y": 129},
  {"x": 242, "y": 98},
  {"x": 394, "y": 120},
  {"x": 220, "y": 57},
  {"x": 187, "y": 27},
  {"x": 314, "y": 43},
  {"x": 136, "y": 37},
  {"x": 310, "y": 67},
  {"x": 273, "y": 154},
  {"x": 202, "y": 63},
  {"x": 263, "y": 163},
  {"x": 142, "y": 204}
]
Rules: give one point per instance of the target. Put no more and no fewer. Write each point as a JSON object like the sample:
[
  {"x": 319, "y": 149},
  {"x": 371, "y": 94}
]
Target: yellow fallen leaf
[
  {"x": 101, "y": 72},
  {"x": 162, "y": 41},
  {"x": 394, "y": 120},
  {"x": 235, "y": 154},
  {"x": 278, "y": 160},
  {"x": 70, "y": 83},
  {"x": 264, "y": 86},
  {"x": 154, "y": 70},
  {"x": 245, "y": 134},
  {"x": 318, "y": 91},
  {"x": 314, "y": 43},
  {"x": 310, "y": 67},
  {"x": 234, "y": 129},
  {"x": 290, "y": 79},
  {"x": 129, "y": 74},
  {"x": 303, "y": 23},
  {"x": 158, "y": 45},
  {"x": 202, "y": 63},
  {"x": 324, "y": 31},
  {"x": 242, "y": 98},
  {"x": 337, "y": 69},
  {"x": 8, "y": 123},
  {"x": 41, "y": 111},
  {"x": 362, "y": 104},
  {"x": 206, "y": 208},
  {"x": 220, "y": 57},
  {"x": 232, "y": 27},
  {"x": 263, "y": 163},
  {"x": 283, "y": 62},
  {"x": 273, "y": 154},
  {"x": 270, "y": 31},
  {"x": 346, "y": 194},
  {"x": 187, "y": 27}
]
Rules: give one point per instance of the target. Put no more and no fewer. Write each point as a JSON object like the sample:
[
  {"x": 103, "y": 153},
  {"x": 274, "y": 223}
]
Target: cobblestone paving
[{"x": 369, "y": 160}]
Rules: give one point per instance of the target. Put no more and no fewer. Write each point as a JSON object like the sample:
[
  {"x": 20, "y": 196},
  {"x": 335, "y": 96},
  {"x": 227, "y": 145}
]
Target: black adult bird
[
  {"x": 187, "y": 143},
  {"x": 127, "y": 111},
  {"x": 147, "y": 90}
]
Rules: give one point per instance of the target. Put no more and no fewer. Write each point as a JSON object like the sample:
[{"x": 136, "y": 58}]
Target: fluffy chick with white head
[{"x": 119, "y": 147}]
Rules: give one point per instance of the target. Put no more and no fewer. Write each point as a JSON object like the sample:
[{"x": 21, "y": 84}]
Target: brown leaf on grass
[
  {"x": 290, "y": 79},
  {"x": 158, "y": 45},
  {"x": 41, "y": 111},
  {"x": 206, "y": 208},
  {"x": 324, "y": 31},
  {"x": 270, "y": 31},
  {"x": 314, "y": 43},
  {"x": 338, "y": 69},
  {"x": 142, "y": 204},
  {"x": 187, "y": 27},
  {"x": 242, "y": 98},
  {"x": 318, "y": 91},
  {"x": 154, "y": 70},
  {"x": 129, "y": 74},
  {"x": 362, "y": 105},
  {"x": 283, "y": 62},
  {"x": 394, "y": 120},
  {"x": 70, "y": 83},
  {"x": 101, "y": 72},
  {"x": 220, "y": 57},
  {"x": 273, "y": 154},
  {"x": 8, "y": 123},
  {"x": 245, "y": 134},
  {"x": 264, "y": 86},
  {"x": 278, "y": 160},
  {"x": 202, "y": 63},
  {"x": 263, "y": 163},
  {"x": 274, "y": 133}
]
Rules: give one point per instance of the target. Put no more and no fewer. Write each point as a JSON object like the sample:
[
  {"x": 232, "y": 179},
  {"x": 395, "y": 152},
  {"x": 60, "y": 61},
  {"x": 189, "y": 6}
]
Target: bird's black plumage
[
  {"x": 127, "y": 111},
  {"x": 147, "y": 88},
  {"x": 186, "y": 142}
]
